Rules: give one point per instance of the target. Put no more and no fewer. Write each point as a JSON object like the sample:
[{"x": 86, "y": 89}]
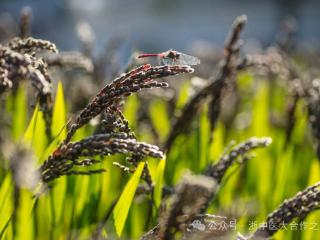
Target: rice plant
[{"x": 156, "y": 151}]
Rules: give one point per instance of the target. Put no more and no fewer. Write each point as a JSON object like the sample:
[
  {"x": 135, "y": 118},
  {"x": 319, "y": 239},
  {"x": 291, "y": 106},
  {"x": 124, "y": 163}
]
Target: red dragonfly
[{"x": 172, "y": 57}]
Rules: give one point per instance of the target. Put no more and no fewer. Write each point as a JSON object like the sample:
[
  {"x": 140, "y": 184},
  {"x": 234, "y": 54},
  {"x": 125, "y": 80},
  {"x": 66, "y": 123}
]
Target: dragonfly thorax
[{"x": 172, "y": 54}]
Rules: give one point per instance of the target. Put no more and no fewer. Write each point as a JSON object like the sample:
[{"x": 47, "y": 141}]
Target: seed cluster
[
  {"x": 113, "y": 135},
  {"x": 31, "y": 45},
  {"x": 18, "y": 61},
  {"x": 67, "y": 156},
  {"x": 218, "y": 170},
  {"x": 114, "y": 121},
  {"x": 299, "y": 206},
  {"x": 15, "y": 66},
  {"x": 133, "y": 81}
]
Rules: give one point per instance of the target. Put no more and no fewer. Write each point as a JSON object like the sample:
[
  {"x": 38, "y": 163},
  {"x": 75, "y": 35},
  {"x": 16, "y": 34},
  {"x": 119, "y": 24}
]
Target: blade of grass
[
  {"x": 6, "y": 207},
  {"x": 59, "y": 114},
  {"x": 59, "y": 132},
  {"x": 19, "y": 115},
  {"x": 24, "y": 224},
  {"x": 122, "y": 207},
  {"x": 35, "y": 133},
  {"x": 159, "y": 179}
]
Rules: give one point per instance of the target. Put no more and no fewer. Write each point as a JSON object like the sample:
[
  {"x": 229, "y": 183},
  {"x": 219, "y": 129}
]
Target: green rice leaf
[
  {"x": 59, "y": 114},
  {"x": 159, "y": 182},
  {"x": 19, "y": 115},
  {"x": 121, "y": 210},
  {"x": 25, "y": 225},
  {"x": 35, "y": 133},
  {"x": 59, "y": 130},
  {"x": 6, "y": 203}
]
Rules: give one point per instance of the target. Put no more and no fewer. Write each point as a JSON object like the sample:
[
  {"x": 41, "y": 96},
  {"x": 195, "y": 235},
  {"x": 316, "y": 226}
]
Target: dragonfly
[{"x": 172, "y": 57}]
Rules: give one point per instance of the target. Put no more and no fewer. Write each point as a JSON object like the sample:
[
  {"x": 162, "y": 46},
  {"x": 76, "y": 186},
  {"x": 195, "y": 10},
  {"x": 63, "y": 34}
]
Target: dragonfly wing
[
  {"x": 185, "y": 59},
  {"x": 166, "y": 61}
]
